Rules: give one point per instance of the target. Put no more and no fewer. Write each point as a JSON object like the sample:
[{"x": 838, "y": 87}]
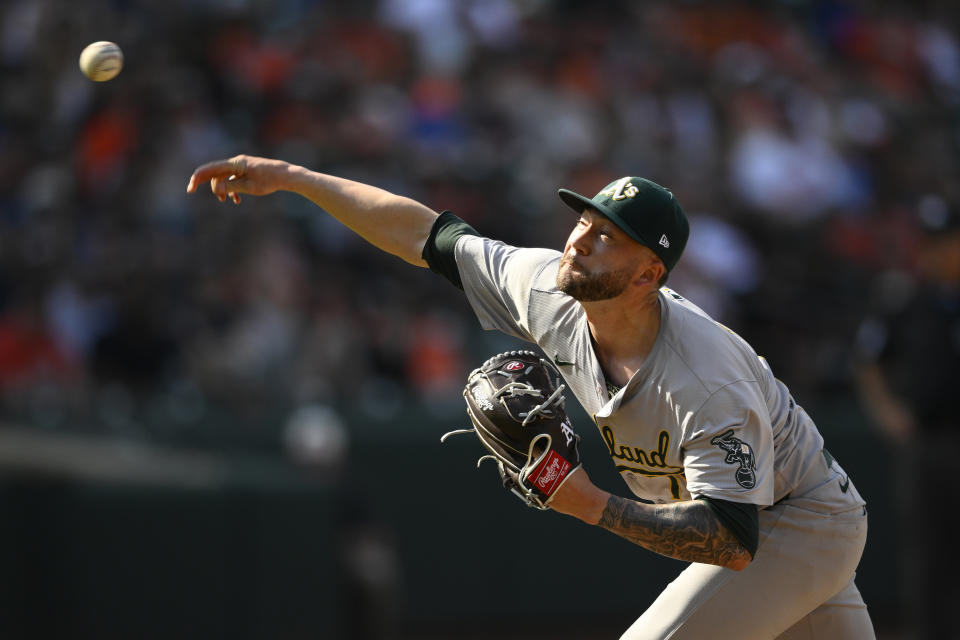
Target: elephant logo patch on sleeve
[{"x": 738, "y": 452}]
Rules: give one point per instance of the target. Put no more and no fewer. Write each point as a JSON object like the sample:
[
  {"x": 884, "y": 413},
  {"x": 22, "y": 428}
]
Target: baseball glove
[{"x": 515, "y": 402}]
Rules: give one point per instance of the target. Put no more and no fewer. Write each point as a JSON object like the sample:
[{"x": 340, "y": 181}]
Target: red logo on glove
[
  {"x": 513, "y": 366},
  {"x": 550, "y": 473}
]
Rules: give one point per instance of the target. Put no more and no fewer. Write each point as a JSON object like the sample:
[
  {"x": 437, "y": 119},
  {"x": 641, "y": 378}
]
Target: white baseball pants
[{"x": 798, "y": 587}]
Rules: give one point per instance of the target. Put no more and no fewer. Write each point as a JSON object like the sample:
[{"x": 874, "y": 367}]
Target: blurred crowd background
[{"x": 814, "y": 145}]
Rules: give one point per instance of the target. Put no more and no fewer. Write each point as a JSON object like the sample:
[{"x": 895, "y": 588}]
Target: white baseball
[{"x": 101, "y": 61}]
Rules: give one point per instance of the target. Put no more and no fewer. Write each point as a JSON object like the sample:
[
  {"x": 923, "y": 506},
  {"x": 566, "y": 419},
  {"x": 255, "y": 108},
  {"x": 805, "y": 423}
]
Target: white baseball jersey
[{"x": 703, "y": 416}]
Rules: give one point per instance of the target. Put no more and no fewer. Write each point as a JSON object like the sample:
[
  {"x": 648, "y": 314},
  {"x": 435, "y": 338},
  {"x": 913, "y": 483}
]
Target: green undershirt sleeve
[
  {"x": 740, "y": 518},
  {"x": 438, "y": 249}
]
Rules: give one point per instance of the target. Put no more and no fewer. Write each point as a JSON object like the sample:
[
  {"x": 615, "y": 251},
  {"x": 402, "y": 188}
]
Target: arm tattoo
[{"x": 686, "y": 531}]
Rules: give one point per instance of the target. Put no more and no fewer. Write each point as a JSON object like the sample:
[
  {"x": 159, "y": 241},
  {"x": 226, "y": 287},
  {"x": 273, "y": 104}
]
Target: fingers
[
  {"x": 209, "y": 171},
  {"x": 229, "y": 187},
  {"x": 217, "y": 189},
  {"x": 217, "y": 171},
  {"x": 226, "y": 178}
]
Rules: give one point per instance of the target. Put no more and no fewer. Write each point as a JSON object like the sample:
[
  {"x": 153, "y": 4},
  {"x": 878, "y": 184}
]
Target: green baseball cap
[{"x": 647, "y": 212}]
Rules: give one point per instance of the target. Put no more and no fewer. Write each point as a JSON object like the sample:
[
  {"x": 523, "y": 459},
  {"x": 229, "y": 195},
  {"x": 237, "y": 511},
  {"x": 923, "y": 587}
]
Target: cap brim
[{"x": 578, "y": 203}]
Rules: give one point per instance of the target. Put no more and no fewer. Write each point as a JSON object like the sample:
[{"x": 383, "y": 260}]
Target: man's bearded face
[{"x": 586, "y": 286}]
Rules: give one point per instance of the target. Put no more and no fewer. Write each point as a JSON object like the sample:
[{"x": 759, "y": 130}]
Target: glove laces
[{"x": 514, "y": 389}]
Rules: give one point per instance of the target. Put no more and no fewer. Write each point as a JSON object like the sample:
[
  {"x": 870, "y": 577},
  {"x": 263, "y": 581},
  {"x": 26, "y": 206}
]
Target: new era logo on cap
[{"x": 664, "y": 242}]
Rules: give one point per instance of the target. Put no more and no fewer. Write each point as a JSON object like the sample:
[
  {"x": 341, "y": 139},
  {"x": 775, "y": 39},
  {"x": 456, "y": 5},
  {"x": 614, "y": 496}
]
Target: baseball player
[{"x": 731, "y": 472}]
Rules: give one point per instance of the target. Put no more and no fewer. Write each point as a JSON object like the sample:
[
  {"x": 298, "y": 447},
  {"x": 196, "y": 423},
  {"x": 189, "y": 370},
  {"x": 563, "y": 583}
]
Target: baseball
[{"x": 101, "y": 61}]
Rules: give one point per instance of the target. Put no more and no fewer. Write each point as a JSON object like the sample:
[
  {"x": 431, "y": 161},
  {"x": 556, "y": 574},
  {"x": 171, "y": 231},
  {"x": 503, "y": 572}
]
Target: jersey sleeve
[
  {"x": 438, "y": 251},
  {"x": 497, "y": 280},
  {"x": 740, "y": 518},
  {"x": 728, "y": 447}
]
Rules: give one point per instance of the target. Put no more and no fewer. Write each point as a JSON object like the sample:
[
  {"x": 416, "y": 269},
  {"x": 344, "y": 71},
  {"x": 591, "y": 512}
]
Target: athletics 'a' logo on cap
[
  {"x": 621, "y": 189},
  {"x": 664, "y": 242}
]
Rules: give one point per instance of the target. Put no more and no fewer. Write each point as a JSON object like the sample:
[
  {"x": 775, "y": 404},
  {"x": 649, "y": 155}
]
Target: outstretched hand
[{"x": 240, "y": 174}]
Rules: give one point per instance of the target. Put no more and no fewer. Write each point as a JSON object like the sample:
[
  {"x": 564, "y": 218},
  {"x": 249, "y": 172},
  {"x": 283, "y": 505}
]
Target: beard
[{"x": 583, "y": 286}]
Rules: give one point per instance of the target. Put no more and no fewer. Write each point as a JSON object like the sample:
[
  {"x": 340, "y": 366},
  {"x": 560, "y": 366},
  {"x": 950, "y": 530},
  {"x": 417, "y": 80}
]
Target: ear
[{"x": 651, "y": 272}]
